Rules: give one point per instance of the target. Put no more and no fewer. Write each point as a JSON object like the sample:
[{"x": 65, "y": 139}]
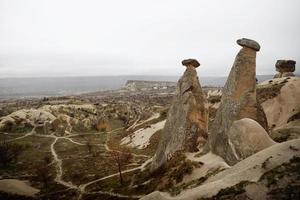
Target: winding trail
[
  {"x": 142, "y": 167},
  {"x": 24, "y": 136},
  {"x": 82, "y": 188},
  {"x": 59, "y": 169}
]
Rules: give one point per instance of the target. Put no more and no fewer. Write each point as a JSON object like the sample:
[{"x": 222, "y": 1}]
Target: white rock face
[
  {"x": 62, "y": 107},
  {"x": 140, "y": 139},
  {"x": 247, "y": 137},
  {"x": 30, "y": 116}
]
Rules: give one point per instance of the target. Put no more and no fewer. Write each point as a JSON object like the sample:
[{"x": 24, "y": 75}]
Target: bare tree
[{"x": 121, "y": 157}]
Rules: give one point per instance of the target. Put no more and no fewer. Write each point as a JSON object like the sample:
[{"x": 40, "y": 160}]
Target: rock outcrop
[
  {"x": 25, "y": 118},
  {"x": 285, "y": 68},
  {"x": 186, "y": 125},
  {"x": 238, "y": 101},
  {"x": 247, "y": 137},
  {"x": 274, "y": 166},
  {"x": 283, "y": 100}
]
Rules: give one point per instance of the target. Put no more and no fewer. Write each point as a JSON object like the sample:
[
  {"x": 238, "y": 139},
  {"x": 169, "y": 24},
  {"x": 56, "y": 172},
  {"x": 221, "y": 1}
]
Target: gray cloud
[{"x": 77, "y": 37}]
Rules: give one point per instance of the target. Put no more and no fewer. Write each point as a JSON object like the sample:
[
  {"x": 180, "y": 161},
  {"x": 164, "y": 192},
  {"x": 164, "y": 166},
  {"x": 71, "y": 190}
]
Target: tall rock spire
[
  {"x": 186, "y": 125},
  {"x": 238, "y": 100}
]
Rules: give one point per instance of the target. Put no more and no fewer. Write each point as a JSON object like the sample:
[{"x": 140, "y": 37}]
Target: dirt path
[
  {"x": 24, "y": 136},
  {"x": 82, "y": 188},
  {"x": 59, "y": 169}
]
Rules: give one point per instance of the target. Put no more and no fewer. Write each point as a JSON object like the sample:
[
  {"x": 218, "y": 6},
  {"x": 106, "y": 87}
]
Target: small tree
[{"x": 120, "y": 157}]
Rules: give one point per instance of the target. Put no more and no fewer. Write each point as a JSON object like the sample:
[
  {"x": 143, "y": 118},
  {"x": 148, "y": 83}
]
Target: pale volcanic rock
[
  {"x": 285, "y": 104},
  {"x": 238, "y": 101},
  {"x": 250, "y": 169},
  {"x": 25, "y": 117},
  {"x": 247, "y": 137},
  {"x": 187, "y": 121}
]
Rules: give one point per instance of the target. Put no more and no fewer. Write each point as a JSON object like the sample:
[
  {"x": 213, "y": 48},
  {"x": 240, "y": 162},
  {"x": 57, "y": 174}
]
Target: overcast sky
[{"x": 142, "y": 37}]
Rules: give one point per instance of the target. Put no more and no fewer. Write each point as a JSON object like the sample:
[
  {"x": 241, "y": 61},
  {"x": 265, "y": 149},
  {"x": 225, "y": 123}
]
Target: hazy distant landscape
[{"x": 57, "y": 86}]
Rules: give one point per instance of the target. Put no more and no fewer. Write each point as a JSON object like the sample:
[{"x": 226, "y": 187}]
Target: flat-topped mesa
[
  {"x": 285, "y": 68},
  {"x": 190, "y": 63},
  {"x": 238, "y": 101},
  {"x": 187, "y": 120}
]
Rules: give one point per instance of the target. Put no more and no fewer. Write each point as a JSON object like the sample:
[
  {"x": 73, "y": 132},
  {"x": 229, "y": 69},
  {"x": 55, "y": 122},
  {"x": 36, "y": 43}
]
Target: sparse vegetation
[
  {"x": 120, "y": 157},
  {"x": 10, "y": 152}
]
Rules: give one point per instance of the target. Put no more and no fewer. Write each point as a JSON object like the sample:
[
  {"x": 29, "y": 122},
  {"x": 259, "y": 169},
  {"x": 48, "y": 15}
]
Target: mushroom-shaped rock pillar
[
  {"x": 187, "y": 120},
  {"x": 238, "y": 101}
]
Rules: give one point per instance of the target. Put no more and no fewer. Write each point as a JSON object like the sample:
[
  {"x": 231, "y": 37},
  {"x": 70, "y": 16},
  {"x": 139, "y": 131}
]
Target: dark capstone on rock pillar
[{"x": 285, "y": 68}]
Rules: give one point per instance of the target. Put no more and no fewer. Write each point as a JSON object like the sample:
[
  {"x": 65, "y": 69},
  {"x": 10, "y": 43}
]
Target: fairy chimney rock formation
[
  {"x": 238, "y": 101},
  {"x": 187, "y": 120},
  {"x": 285, "y": 68}
]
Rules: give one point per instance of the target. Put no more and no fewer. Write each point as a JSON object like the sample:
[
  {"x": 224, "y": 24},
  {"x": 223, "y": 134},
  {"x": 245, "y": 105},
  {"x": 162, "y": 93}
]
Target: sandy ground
[
  {"x": 249, "y": 169},
  {"x": 19, "y": 187},
  {"x": 135, "y": 124},
  {"x": 140, "y": 138}
]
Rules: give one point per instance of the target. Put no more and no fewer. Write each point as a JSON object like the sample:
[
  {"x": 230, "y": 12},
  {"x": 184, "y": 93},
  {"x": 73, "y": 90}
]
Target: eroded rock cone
[
  {"x": 285, "y": 68},
  {"x": 238, "y": 101},
  {"x": 186, "y": 125}
]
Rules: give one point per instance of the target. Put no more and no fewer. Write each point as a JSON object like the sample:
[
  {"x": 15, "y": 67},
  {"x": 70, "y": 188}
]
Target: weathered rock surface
[
  {"x": 285, "y": 65},
  {"x": 186, "y": 125},
  {"x": 264, "y": 168},
  {"x": 61, "y": 119},
  {"x": 238, "y": 101},
  {"x": 283, "y": 100},
  {"x": 247, "y": 137},
  {"x": 25, "y": 118},
  {"x": 287, "y": 131},
  {"x": 190, "y": 62},
  {"x": 285, "y": 68}
]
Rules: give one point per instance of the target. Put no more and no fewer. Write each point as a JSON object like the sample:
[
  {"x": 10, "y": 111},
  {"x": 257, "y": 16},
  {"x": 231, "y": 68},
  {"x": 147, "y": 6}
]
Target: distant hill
[{"x": 57, "y": 86}]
